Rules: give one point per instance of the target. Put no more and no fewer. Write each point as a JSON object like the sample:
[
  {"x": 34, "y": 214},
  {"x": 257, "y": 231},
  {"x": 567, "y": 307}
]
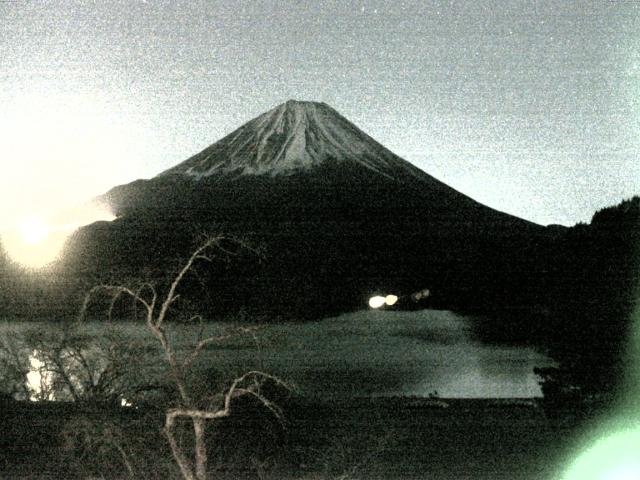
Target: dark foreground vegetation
[{"x": 384, "y": 438}]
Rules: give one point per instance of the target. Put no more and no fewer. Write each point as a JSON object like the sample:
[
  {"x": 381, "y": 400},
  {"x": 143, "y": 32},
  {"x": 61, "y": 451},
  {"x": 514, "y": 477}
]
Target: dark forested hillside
[{"x": 594, "y": 292}]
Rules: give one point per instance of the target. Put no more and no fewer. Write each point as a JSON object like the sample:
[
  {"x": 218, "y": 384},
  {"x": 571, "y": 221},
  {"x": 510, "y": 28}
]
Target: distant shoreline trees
[{"x": 593, "y": 296}]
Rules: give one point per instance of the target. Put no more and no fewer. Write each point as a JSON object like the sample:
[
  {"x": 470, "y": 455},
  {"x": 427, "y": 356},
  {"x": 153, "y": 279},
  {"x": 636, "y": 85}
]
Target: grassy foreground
[{"x": 386, "y": 438}]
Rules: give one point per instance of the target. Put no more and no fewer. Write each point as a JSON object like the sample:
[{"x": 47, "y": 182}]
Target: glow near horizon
[
  {"x": 62, "y": 151},
  {"x": 35, "y": 243}
]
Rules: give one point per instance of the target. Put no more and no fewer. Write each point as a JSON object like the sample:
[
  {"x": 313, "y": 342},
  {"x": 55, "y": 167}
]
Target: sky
[{"x": 532, "y": 108}]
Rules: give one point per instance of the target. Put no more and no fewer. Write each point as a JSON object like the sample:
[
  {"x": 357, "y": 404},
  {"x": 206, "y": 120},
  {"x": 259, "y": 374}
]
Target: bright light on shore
[
  {"x": 378, "y": 301},
  {"x": 390, "y": 300}
]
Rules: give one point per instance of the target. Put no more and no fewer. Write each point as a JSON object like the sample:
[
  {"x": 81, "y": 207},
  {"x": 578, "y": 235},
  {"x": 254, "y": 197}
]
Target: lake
[
  {"x": 399, "y": 353},
  {"x": 366, "y": 353}
]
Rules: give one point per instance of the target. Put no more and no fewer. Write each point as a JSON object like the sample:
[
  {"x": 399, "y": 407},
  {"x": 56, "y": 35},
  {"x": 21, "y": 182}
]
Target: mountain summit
[{"x": 291, "y": 137}]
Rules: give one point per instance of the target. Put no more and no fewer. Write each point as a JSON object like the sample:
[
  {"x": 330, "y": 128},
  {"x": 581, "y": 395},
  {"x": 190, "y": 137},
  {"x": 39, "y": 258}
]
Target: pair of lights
[{"x": 379, "y": 301}]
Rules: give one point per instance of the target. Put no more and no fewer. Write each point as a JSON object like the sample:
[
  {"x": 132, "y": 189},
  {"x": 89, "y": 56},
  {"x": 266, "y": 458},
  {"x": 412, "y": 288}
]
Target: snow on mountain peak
[{"x": 295, "y": 135}]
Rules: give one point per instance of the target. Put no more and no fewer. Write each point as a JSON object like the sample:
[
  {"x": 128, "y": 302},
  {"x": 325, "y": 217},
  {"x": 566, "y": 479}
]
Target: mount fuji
[{"x": 337, "y": 216}]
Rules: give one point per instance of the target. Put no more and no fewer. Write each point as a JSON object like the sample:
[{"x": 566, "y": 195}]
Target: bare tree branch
[
  {"x": 272, "y": 407},
  {"x": 203, "y": 343},
  {"x": 116, "y": 291},
  {"x": 171, "y": 295},
  {"x": 256, "y": 374},
  {"x": 178, "y": 454}
]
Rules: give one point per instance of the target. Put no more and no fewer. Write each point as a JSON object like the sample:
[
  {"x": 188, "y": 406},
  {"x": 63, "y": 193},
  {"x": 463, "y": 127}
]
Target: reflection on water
[
  {"x": 41, "y": 384},
  {"x": 39, "y": 379}
]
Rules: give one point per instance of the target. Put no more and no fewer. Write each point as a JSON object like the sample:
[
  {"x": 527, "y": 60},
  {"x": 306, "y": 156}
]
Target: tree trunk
[
  {"x": 200, "y": 448},
  {"x": 178, "y": 455}
]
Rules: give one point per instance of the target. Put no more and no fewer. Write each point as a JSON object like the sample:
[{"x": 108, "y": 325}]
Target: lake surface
[
  {"x": 394, "y": 353},
  {"x": 367, "y": 353}
]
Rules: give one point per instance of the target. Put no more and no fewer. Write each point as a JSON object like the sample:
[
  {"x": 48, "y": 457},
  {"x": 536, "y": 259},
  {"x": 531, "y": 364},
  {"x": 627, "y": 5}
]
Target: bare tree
[{"x": 155, "y": 309}]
